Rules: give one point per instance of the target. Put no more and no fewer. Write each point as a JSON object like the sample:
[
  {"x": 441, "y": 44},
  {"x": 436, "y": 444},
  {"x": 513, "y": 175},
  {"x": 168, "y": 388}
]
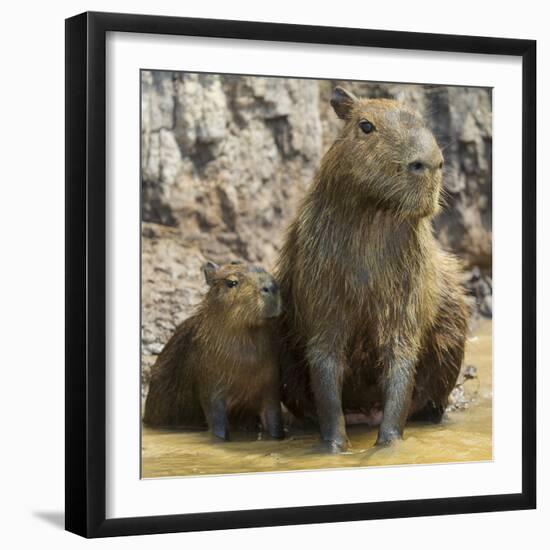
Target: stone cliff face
[{"x": 226, "y": 159}]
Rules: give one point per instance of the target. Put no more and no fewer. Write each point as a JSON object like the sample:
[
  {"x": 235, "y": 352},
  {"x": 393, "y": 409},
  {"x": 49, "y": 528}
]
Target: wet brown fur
[
  {"x": 362, "y": 277},
  {"x": 226, "y": 350}
]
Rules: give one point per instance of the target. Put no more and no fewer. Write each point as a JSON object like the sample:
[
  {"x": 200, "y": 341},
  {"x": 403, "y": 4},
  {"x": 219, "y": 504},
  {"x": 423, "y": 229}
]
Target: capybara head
[
  {"x": 387, "y": 153},
  {"x": 245, "y": 294}
]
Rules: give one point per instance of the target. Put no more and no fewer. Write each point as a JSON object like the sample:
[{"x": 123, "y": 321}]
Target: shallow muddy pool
[{"x": 464, "y": 435}]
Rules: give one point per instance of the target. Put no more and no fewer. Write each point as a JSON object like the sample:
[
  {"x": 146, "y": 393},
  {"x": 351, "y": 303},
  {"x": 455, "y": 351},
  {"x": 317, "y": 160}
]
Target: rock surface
[{"x": 226, "y": 159}]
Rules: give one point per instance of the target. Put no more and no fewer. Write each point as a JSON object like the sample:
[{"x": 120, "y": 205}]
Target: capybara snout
[{"x": 423, "y": 152}]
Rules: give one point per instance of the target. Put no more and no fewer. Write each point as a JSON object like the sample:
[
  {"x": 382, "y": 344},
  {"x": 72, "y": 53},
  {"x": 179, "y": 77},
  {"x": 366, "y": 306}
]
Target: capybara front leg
[
  {"x": 272, "y": 419},
  {"x": 217, "y": 418},
  {"x": 326, "y": 373},
  {"x": 398, "y": 388}
]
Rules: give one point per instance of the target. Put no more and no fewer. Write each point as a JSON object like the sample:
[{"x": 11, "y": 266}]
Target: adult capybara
[
  {"x": 220, "y": 365},
  {"x": 375, "y": 316}
]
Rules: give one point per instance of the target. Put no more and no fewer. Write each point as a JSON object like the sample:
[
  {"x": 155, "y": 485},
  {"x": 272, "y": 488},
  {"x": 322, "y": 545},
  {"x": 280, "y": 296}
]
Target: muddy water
[{"x": 464, "y": 435}]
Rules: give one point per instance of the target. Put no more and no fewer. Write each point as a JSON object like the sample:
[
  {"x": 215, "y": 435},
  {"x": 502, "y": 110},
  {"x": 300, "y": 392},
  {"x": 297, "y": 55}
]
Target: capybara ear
[
  {"x": 342, "y": 101},
  {"x": 209, "y": 270}
]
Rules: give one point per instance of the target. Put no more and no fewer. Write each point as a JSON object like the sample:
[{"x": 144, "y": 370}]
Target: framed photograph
[{"x": 300, "y": 274}]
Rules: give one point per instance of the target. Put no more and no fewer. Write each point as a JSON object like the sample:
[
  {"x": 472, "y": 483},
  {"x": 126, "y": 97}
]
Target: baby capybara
[
  {"x": 220, "y": 365},
  {"x": 375, "y": 316}
]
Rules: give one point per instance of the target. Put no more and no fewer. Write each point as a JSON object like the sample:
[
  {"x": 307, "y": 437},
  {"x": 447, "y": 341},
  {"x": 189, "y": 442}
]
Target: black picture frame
[{"x": 86, "y": 273}]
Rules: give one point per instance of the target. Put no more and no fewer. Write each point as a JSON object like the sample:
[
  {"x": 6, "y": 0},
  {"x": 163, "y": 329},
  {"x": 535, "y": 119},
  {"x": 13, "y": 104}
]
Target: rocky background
[{"x": 226, "y": 159}]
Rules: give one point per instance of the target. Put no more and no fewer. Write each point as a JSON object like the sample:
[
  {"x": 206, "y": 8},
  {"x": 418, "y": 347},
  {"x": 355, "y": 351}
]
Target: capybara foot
[
  {"x": 272, "y": 421},
  {"x": 388, "y": 436},
  {"x": 277, "y": 433},
  {"x": 275, "y": 430},
  {"x": 336, "y": 446},
  {"x": 221, "y": 433}
]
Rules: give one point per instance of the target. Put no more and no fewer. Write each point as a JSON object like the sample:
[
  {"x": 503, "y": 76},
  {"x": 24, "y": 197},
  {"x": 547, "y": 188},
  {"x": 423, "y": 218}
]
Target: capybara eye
[
  {"x": 230, "y": 283},
  {"x": 366, "y": 126}
]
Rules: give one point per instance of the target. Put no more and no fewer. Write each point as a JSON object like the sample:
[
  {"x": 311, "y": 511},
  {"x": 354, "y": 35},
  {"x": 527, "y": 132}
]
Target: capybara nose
[
  {"x": 417, "y": 167},
  {"x": 426, "y": 154},
  {"x": 270, "y": 288}
]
